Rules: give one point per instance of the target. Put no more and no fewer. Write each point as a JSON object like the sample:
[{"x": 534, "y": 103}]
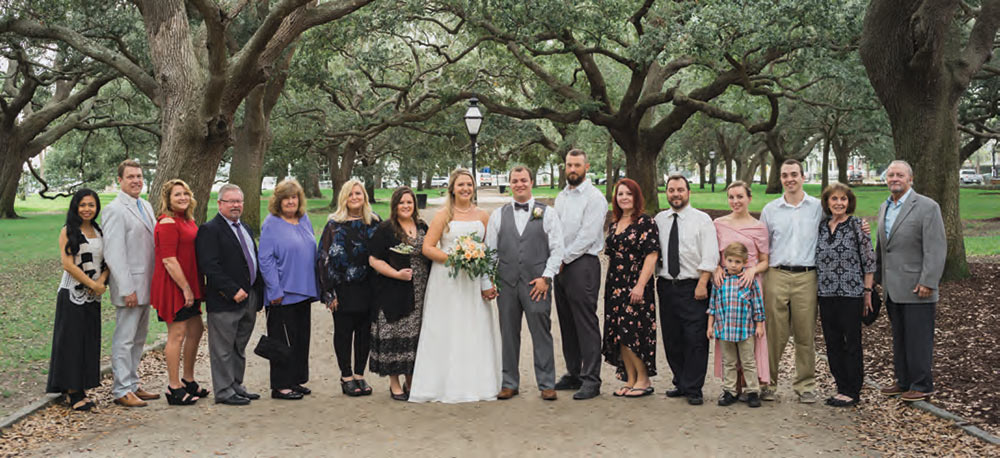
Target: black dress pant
[
  {"x": 841, "y": 320},
  {"x": 683, "y": 320},
  {"x": 912, "y": 344},
  {"x": 348, "y": 327},
  {"x": 576, "y": 291},
  {"x": 291, "y": 324}
]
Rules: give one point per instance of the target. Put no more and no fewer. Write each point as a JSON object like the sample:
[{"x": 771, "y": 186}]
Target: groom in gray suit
[
  {"x": 128, "y": 223},
  {"x": 528, "y": 240},
  {"x": 911, "y": 253}
]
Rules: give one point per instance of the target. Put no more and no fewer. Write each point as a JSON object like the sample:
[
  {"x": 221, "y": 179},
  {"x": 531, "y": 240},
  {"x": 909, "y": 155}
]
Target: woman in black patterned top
[
  {"x": 632, "y": 246},
  {"x": 846, "y": 264}
]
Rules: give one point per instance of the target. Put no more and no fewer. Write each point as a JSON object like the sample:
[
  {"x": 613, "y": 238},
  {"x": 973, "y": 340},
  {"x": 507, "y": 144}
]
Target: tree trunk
[
  {"x": 920, "y": 66},
  {"x": 428, "y": 180},
  {"x": 420, "y": 181},
  {"x": 247, "y": 168},
  {"x": 841, "y": 154},
  {"x": 729, "y": 171},
  {"x": 641, "y": 166},
  {"x": 341, "y": 162},
  {"x": 310, "y": 184},
  {"x": 825, "y": 180},
  {"x": 763, "y": 167},
  {"x": 11, "y": 166},
  {"x": 701, "y": 175},
  {"x": 774, "y": 179},
  {"x": 552, "y": 176},
  {"x": 610, "y": 176}
]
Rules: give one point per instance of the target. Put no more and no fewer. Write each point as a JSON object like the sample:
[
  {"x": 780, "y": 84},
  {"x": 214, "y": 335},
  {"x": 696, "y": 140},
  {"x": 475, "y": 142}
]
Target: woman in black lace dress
[
  {"x": 633, "y": 246},
  {"x": 399, "y": 290}
]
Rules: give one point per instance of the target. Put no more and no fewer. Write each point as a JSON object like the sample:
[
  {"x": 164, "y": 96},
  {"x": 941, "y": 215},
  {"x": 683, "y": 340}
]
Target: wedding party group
[{"x": 438, "y": 307}]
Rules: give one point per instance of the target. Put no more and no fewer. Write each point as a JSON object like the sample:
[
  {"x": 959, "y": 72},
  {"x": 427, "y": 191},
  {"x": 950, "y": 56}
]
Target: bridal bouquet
[{"x": 473, "y": 256}]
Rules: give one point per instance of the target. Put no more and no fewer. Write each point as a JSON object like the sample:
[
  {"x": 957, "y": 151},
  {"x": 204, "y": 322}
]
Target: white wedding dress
[{"x": 458, "y": 355}]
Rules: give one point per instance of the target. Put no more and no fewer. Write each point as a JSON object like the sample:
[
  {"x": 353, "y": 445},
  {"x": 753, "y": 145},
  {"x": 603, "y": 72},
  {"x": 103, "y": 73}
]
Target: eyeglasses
[{"x": 234, "y": 202}]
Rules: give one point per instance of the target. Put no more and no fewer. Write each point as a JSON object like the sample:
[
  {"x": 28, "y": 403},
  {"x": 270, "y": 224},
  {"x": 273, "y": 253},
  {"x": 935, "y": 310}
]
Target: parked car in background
[
  {"x": 437, "y": 182},
  {"x": 969, "y": 176}
]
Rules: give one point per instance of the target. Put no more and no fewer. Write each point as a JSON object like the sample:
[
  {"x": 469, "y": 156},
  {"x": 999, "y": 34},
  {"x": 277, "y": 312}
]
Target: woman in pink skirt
[{"x": 740, "y": 226}]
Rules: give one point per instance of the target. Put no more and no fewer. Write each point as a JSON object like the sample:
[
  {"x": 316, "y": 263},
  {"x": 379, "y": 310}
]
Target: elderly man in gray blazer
[
  {"x": 128, "y": 223},
  {"x": 911, "y": 253}
]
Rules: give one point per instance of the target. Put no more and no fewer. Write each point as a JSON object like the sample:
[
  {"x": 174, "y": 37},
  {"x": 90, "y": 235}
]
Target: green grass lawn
[{"x": 30, "y": 274}]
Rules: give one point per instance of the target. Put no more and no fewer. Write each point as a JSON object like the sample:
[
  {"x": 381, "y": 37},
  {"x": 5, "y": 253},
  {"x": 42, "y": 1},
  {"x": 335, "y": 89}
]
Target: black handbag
[{"x": 273, "y": 349}]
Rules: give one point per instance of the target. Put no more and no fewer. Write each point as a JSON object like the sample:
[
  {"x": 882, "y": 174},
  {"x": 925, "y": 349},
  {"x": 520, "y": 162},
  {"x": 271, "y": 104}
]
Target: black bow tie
[{"x": 518, "y": 206}]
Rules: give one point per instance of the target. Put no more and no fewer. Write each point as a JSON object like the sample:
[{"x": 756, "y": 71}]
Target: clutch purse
[
  {"x": 870, "y": 318},
  {"x": 273, "y": 349}
]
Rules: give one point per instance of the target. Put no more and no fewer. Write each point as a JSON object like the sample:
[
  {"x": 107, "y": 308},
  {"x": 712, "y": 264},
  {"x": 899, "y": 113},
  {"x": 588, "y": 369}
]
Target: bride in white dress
[{"x": 458, "y": 355}]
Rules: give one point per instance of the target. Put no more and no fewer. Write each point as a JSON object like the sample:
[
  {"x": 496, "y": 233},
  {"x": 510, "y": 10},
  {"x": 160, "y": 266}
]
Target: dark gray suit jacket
[{"x": 914, "y": 252}]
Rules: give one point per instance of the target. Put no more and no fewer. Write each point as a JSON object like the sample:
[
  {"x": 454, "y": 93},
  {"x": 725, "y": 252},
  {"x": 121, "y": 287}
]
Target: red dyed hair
[{"x": 637, "y": 202}]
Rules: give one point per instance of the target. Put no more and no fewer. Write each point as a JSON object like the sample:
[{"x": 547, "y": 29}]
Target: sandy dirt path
[{"x": 329, "y": 423}]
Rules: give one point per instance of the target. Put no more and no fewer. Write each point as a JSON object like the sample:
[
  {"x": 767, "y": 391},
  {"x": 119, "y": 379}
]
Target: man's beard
[
  {"x": 675, "y": 207},
  {"x": 574, "y": 181}
]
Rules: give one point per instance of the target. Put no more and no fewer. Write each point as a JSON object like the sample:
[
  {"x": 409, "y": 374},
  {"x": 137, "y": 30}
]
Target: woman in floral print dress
[{"x": 633, "y": 248}]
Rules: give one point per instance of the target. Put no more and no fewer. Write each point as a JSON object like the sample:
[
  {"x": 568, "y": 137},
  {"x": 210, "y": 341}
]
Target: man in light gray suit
[
  {"x": 911, "y": 253},
  {"x": 128, "y": 223},
  {"x": 528, "y": 240}
]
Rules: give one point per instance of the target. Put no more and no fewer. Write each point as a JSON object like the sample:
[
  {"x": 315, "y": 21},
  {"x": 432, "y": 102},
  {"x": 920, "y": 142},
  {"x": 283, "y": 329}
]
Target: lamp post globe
[{"x": 473, "y": 121}]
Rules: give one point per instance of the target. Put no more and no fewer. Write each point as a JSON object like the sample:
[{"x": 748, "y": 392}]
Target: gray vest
[{"x": 521, "y": 257}]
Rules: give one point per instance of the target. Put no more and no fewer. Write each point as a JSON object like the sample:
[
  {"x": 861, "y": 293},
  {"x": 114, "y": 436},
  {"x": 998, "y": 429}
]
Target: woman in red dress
[{"x": 176, "y": 291}]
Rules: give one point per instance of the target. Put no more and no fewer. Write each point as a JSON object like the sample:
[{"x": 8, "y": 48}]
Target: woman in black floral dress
[
  {"x": 345, "y": 283},
  {"x": 633, "y": 246}
]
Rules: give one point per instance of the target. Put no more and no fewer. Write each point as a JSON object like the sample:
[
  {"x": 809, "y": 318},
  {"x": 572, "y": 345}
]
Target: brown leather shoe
[
  {"x": 130, "y": 400},
  {"x": 892, "y": 390},
  {"x": 913, "y": 396},
  {"x": 549, "y": 395},
  {"x": 507, "y": 393},
  {"x": 146, "y": 395}
]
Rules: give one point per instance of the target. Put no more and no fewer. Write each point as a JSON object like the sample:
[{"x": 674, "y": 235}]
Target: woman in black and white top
[
  {"x": 846, "y": 264},
  {"x": 76, "y": 337}
]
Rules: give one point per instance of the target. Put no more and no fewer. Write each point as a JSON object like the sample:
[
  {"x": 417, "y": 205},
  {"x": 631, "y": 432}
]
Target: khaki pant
[
  {"x": 742, "y": 352},
  {"x": 790, "y": 308}
]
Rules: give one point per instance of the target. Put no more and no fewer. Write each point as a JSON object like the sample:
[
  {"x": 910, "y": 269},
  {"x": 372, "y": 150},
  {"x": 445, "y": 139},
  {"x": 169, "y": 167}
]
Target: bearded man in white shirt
[{"x": 582, "y": 211}]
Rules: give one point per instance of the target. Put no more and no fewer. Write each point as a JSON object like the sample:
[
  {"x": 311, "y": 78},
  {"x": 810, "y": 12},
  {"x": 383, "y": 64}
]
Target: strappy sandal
[
  {"x": 194, "y": 390},
  {"x": 622, "y": 391},
  {"x": 78, "y": 401},
  {"x": 366, "y": 389},
  {"x": 351, "y": 388},
  {"x": 180, "y": 397}
]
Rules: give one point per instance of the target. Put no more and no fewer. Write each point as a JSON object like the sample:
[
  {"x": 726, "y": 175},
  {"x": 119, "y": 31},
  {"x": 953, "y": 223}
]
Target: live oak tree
[
  {"x": 198, "y": 72},
  {"x": 673, "y": 59},
  {"x": 47, "y": 92},
  {"x": 921, "y": 56}
]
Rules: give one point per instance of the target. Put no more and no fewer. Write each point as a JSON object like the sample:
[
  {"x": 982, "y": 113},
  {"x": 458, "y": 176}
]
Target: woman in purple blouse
[{"x": 287, "y": 262}]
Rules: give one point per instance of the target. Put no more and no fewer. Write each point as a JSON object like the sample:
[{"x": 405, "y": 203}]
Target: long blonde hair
[
  {"x": 341, "y": 214},
  {"x": 167, "y": 189},
  {"x": 449, "y": 203}
]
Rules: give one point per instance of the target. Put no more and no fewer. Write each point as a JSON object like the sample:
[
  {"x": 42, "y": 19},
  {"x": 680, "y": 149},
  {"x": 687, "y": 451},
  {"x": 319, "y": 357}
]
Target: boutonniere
[
  {"x": 537, "y": 213},
  {"x": 403, "y": 248}
]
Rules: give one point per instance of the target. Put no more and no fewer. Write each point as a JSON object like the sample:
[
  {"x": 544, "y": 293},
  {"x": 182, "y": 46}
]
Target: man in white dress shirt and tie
[
  {"x": 582, "y": 211},
  {"x": 690, "y": 256},
  {"x": 528, "y": 240},
  {"x": 128, "y": 223}
]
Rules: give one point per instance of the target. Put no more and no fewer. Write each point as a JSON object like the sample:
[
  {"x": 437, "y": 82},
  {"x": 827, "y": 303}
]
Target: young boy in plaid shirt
[{"x": 736, "y": 316}]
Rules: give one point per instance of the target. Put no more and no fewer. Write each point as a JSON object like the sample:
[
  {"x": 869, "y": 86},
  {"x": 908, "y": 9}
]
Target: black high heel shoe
[
  {"x": 351, "y": 388},
  {"x": 193, "y": 389},
  {"x": 366, "y": 389},
  {"x": 180, "y": 397}
]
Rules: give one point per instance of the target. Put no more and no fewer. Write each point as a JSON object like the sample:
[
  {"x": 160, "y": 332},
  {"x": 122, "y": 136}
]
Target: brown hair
[
  {"x": 397, "y": 197},
  {"x": 835, "y": 187},
  {"x": 739, "y": 183},
  {"x": 285, "y": 189},
  {"x": 736, "y": 250},
  {"x": 577, "y": 152},
  {"x": 638, "y": 204},
  {"x": 795, "y": 162},
  {"x": 519, "y": 168},
  {"x": 678, "y": 176},
  {"x": 168, "y": 189},
  {"x": 127, "y": 163}
]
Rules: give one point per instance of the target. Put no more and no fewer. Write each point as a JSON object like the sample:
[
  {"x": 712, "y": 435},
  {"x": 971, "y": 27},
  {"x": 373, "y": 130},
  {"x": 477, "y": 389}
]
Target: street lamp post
[
  {"x": 473, "y": 121},
  {"x": 711, "y": 156}
]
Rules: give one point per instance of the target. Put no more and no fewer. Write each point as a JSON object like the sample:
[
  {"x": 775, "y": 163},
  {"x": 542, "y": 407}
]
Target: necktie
[
  {"x": 673, "y": 258},
  {"x": 519, "y": 206},
  {"x": 246, "y": 252},
  {"x": 142, "y": 212}
]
